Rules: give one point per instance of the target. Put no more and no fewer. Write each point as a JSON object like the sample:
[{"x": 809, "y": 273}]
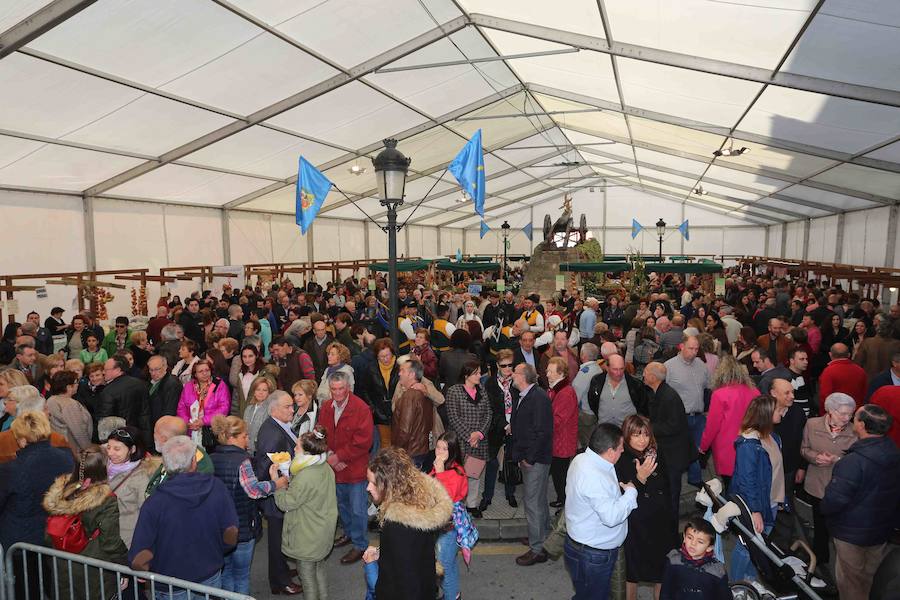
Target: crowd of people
[{"x": 292, "y": 405}]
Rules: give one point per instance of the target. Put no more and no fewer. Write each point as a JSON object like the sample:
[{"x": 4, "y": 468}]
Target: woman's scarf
[
  {"x": 113, "y": 469},
  {"x": 505, "y": 385},
  {"x": 302, "y": 461}
]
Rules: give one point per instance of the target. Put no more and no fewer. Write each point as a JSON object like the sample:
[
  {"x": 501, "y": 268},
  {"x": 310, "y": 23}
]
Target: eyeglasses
[
  {"x": 120, "y": 326},
  {"x": 505, "y": 365}
]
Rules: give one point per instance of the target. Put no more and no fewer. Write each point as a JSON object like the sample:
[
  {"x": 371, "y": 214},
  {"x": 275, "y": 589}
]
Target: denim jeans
[
  {"x": 162, "y": 591},
  {"x": 590, "y": 570},
  {"x": 353, "y": 504},
  {"x": 741, "y": 567},
  {"x": 447, "y": 550},
  {"x": 696, "y": 423},
  {"x": 236, "y": 572}
]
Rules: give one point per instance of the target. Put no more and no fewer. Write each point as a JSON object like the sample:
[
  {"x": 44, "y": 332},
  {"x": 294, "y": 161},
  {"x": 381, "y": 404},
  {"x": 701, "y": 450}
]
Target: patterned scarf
[
  {"x": 697, "y": 562},
  {"x": 507, "y": 395}
]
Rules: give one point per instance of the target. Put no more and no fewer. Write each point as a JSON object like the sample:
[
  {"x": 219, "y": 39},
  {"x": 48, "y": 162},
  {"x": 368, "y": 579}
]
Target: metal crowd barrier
[{"x": 45, "y": 583}]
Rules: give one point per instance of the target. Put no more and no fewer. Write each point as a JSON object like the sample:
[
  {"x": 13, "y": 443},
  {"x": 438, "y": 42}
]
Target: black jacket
[
  {"x": 497, "y": 432},
  {"x": 790, "y": 430},
  {"x": 670, "y": 427},
  {"x": 164, "y": 399},
  {"x": 271, "y": 438},
  {"x": 126, "y": 397},
  {"x": 519, "y": 358},
  {"x": 450, "y": 365},
  {"x": 880, "y": 380},
  {"x": 192, "y": 324},
  {"x": 532, "y": 427},
  {"x": 636, "y": 390},
  {"x": 862, "y": 501},
  {"x": 377, "y": 396}
]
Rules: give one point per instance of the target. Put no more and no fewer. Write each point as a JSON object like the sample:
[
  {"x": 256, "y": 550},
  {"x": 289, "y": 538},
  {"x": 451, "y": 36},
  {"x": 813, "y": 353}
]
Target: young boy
[{"x": 692, "y": 571}]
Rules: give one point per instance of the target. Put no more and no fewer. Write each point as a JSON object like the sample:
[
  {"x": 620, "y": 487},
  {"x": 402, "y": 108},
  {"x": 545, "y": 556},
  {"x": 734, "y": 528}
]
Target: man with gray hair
[
  {"x": 191, "y": 514},
  {"x": 165, "y": 429},
  {"x": 731, "y": 324},
  {"x": 689, "y": 377},
  {"x": 413, "y": 416},
  {"x": 587, "y": 420},
  {"x": 27, "y": 399}
]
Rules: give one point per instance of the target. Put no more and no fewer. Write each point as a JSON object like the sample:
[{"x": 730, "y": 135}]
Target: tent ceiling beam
[
  {"x": 765, "y": 221},
  {"x": 714, "y": 129},
  {"x": 39, "y": 23},
  {"x": 693, "y": 63},
  {"x": 286, "y": 104},
  {"x": 543, "y": 113},
  {"x": 736, "y": 166},
  {"x": 712, "y": 205},
  {"x": 472, "y": 61},
  {"x": 362, "y": 152}
]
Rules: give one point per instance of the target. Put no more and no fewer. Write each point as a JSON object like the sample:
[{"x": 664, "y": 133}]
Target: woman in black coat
[
  {"x": 497, "y": 387},
  {"x": 8, "y": 343},
  {"x": 378, "y": 390},
  {"x": 413, "y": 509},
  {"x": 452, "y": 361},
  {"x": 651, "y": 526}
]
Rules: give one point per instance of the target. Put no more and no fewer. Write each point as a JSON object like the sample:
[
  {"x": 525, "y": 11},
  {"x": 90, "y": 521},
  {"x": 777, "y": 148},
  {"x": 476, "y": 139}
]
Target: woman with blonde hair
[
  {"x": 732, "y": 392},
  {"x": 9, "y": 378},
  {"x": 257, "y": 411},
  {"x": 413, "y": 510},
  {"x": 338, "y": 357},
  {"x": 53, "y": 364},
  {"x": 232, "y": 465},
  {"x": 306, "y": 409}
]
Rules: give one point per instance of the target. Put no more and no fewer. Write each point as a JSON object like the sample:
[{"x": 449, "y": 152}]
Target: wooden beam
[
  {"x": 19, "y": 288},
  {"x": 85, "y": 283},
  {"x": 156, "y": 278}
]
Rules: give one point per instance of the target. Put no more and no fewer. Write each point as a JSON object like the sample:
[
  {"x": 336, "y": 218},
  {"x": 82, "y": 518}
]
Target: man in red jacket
[
  {"x": 348, "y": 425},
  {"x": 842, "y": 375}
]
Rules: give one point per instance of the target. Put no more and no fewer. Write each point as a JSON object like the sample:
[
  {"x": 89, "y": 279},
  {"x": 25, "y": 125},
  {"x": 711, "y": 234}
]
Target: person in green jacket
[
  {"x": 86, "y": 492},
  {"x": 94, "y": 352},
  {"x": 119, "y": 338},
  {"x": 165, "y": 429},
  {"x": 310, "y": 512}
]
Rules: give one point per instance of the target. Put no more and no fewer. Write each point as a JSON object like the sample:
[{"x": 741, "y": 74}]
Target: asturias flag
[
  {"x": 468, "y": 168},
  {"x": 529, "y": 231},
  {"x": 635, "y": 228},
  {"x": 683, "y": 228},
  {"x": 312, "y": 188},
  {"x": 484, "y": 228}
]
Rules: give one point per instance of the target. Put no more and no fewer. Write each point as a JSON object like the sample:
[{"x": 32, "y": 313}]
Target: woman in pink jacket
[
  {"x": 202, "y": 398},
  {"x": 732, "y": 392}
]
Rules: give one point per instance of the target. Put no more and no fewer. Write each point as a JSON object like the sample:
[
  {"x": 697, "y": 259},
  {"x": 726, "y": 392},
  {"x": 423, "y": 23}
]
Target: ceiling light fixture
[
  {"x": 731, "y": 151},
  {"x": 357, "y": 170},
  {"x": 700, "y": 191},
  {"x": 461, "y": 199}
]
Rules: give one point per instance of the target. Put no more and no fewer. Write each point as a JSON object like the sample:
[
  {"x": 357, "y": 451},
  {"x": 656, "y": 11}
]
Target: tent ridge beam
[
  {"x": 39, "y": 23},
  {"x": 286, "y": 104},
  {"x": 473, "y": 61},
  {"x": 694, "y": 63}
]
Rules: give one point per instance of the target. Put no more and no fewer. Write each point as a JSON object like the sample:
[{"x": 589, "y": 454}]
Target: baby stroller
[{"x": 782, "y": 575}]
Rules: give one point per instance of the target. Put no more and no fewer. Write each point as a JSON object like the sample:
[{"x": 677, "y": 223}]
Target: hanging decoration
[
  {"x": 99, "y": 298},
  {"x": 139, "y": 301}
]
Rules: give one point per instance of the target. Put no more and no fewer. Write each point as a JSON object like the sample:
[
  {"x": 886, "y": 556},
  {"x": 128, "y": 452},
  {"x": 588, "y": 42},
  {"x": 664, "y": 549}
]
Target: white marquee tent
[{"x": 149, "y": 133}]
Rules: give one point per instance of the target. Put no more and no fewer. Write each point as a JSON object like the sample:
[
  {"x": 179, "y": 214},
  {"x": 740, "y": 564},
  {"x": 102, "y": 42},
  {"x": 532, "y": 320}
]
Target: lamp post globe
[
  {"x": 391, "y": 167},
  {"x": 660, "y": 231}
]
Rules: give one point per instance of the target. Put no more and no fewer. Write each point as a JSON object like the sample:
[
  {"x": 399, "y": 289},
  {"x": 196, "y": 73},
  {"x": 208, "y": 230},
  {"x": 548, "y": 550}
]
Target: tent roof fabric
[{"x": 210, "y": 103}]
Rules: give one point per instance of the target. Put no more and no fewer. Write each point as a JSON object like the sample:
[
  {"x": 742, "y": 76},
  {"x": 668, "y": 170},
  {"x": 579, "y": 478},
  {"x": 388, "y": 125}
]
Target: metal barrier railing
[{"x": 82, "y": 570}]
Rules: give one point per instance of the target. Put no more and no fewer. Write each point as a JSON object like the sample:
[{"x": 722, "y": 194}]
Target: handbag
[
  {"x": 511, "y": 473},
  {"x": 474, "y": 466}
]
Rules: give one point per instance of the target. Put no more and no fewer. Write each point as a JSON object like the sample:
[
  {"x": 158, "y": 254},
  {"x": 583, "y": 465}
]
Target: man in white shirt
[{"x": 597, "y": 509}]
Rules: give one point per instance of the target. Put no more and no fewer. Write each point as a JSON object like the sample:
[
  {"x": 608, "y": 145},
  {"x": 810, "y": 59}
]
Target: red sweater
[
  {"x": 565, "y": 419},
  {"x": 454, "y": 481},
  {"x": 842, "y": 375},
  {"x": 351, "y": 440},
  {"x": 888, "y": 398}
]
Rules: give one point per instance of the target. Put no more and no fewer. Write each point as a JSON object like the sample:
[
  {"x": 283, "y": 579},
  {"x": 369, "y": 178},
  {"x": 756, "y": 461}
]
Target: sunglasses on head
[{"x": 121, "y": 433}]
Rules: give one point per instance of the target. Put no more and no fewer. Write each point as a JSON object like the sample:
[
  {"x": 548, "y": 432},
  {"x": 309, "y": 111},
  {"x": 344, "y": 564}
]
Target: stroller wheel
[{"x": 744, "y": 590}]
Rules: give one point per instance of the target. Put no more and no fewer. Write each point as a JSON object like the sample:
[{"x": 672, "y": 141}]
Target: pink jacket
[
  {"x": 723, "y": 424},
  {"x": 218, "y": 401}
]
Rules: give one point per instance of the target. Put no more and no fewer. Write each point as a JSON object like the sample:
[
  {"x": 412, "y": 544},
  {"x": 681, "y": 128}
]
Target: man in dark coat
[
  {"x": 275, "y": 436},
  {"x": 670, "y": 427},
  {"x": 192, "y": 324},
  {"x": 124, "y": 396},
  {"x": 316, "y": 346},
  {"x": 862, "y": 502},
  {"x": 165, "y": 390},
  {"x": 532, "y": 447}
]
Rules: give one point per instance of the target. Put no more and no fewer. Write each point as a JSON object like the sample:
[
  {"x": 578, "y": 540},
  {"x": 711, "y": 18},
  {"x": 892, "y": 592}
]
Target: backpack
[{"x": 67, "y": 533}]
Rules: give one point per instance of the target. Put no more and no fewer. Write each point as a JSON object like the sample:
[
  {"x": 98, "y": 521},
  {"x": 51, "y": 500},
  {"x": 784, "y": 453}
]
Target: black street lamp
[
  {"x": 660, "y": 231},
  {"x": 390, "y": 176},
  {"x": 505, "y": 227}
]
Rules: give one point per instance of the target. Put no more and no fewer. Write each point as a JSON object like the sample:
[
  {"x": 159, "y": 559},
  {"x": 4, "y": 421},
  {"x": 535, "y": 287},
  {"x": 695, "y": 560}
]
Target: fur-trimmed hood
[
  {"x": 436, "y": 514},
  {"x": 55, "y": 504}
]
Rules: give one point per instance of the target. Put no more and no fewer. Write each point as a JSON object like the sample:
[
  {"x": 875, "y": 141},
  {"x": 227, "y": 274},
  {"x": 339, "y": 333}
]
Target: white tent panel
[
  {"x": 775, "y": 160},
  {"x": 352, "y": 211},
  {"x": 149, "y": 125},
  {"x": 524, "y": 191},
  {"x": 129, "y": 234},
  {"x": 250, "y": 237},
  {"x": 416, "y": 245},
  {"x": 491, "y": 244},
  {"x": 451, "y": 241},
  {"x": 372, "y": 28},
  {"x": 42, "y": 221},
  {"x": 288, "y": 244},
  {"x": 865, "y": 237},
  {"x": 794, "y": 240},
  {"x": 193, "y": 236},
  {"x": 254, "y": 75},
  {"x": 751, "y": 180},
  {"x": 742, "y": 241},
  {"x": 378, "y": 242},
  {"x": 840, "y": 202},
  {"x": 774, "y": 248},
  {"x": 352, "y": 116},
  {"x": 350, "y": 183},
  {"x": 282, "y": 200},
  {"x": 822, "y": 239},
  {"x": 262, "y": 151},
  {"x": 851, "y": 41},
  {"x": 690, "y": 94},
  {"x": 686, "y": 165},
  {"x": 864, "y": 179},
  {"x": 12, "y": 13},
  {"x": 150, "y": 41},
  {"x": 580, "y": 16},
  {"x": 688, "y": 182},
  {"x": 596, "y": 123},
  {"x": 731, "y": 193},
  {"x": 675, "y": 137},
  {"x": 705, "y": 241},
  {"x": 175, "y": 183},
  {"x": 431, "y": 148},
  {"x": 44, "y": 99},
  {"x": 37, "y": 165},
  {"x": 708, "y": 29},
  {"x": 699, "y": 216},
  {"x": 441, "y": 216},
  {"x": 599, "y": 144},
  {"x": 325, "y": 233},
  {"x": 790, "y": 206},
  {"x": 819, "y": 120},
  {"x": 624, "y": 204},
  {"x": 498, "y": 132},
  {"x": 890, "y": 152}
]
